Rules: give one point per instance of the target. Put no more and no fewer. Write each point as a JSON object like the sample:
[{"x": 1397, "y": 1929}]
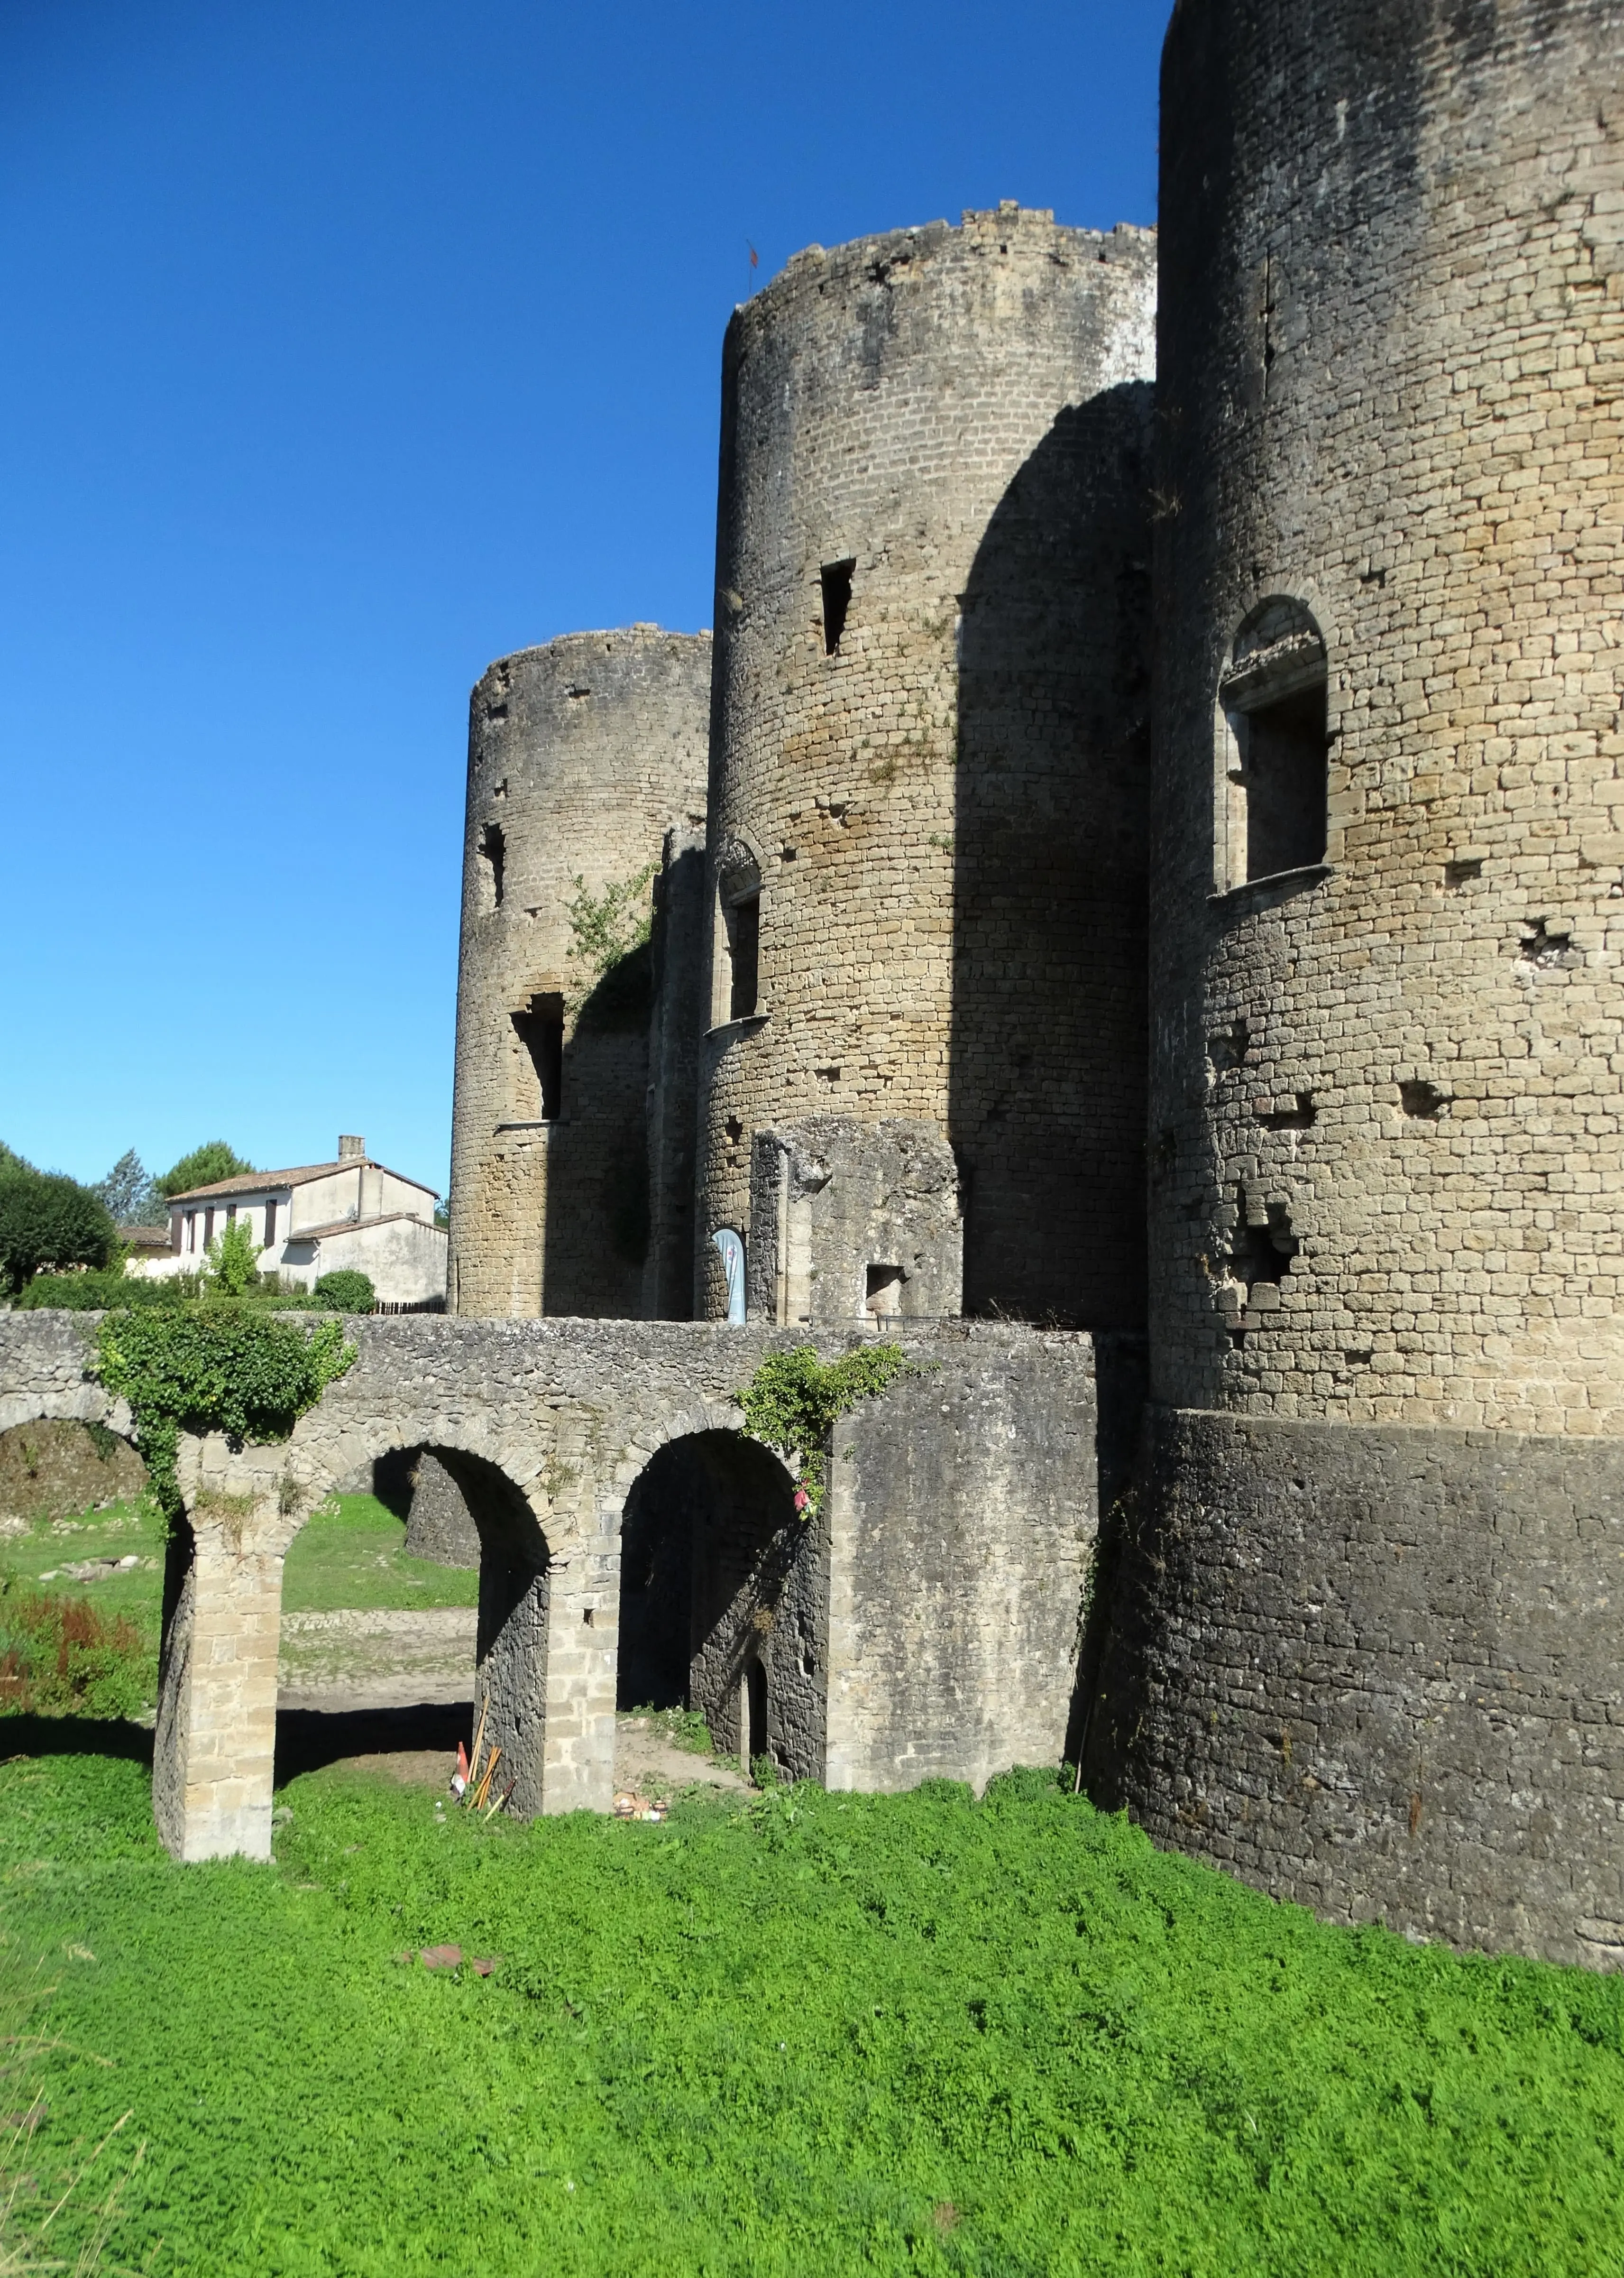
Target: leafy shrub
[
  {"x": 48, "y": 1220},
  {"x": 218, "y": 1366},
  {"x": 60, "y": 1657},
  {"x": 95, "y": 1293},
  {"x": 233, "y": 1259},
  {"x": 204, "y": 1166},
  {"x": 794, "y": 1400},
  {"x": 346, "y": 1290}
]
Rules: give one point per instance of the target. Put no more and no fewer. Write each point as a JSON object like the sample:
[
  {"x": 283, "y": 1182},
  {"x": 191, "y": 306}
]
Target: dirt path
[{"x": 352, "y": 1663}]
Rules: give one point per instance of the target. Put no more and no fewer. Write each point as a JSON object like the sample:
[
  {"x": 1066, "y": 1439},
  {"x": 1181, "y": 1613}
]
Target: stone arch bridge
[{"x": 926, "y": 1626}]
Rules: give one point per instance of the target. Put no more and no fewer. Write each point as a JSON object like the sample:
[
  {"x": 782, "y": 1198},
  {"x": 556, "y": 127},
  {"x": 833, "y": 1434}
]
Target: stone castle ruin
[{"x": 1130, "y": 904}]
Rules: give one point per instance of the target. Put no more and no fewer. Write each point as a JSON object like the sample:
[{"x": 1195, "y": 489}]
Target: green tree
[
  {"x": 11, "y": 1160},
  {"x": 204, "y": 1166},
  {"x": 233, "y": 1259},
  {"x": 47, "y": 1220},
  {"x": 131, "y": 1197}
]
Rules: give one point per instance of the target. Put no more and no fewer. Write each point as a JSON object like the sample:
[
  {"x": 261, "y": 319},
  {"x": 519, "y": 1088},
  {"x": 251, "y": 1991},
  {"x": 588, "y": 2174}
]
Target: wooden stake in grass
[
  {"x": 485, "y": 1784},
  {"x": 473, "y": 1762}
]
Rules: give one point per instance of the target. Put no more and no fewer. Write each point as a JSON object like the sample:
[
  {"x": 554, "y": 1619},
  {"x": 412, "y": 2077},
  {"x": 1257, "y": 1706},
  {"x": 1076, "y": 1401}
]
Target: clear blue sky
[{"x": 349, "y": 346}]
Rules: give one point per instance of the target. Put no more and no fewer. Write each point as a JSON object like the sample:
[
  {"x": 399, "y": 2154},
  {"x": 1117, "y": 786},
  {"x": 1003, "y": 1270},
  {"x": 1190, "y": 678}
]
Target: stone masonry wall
[
  {"x": 945, "y": 805},
  {"x": 1391, "y": 387},
  {"x": 1378, "y": 1669},
  {"x": 1362, "y": 1647},
  {"x": 582, "y": 755},
  {"x": 838, "y": 1205}
]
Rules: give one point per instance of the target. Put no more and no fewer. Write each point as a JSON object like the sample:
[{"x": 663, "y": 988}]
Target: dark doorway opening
[
  {"x": 540, "y": 1029},
  {"x": 755, "y": 1681},
  {"x": 722, "y": 1590}
]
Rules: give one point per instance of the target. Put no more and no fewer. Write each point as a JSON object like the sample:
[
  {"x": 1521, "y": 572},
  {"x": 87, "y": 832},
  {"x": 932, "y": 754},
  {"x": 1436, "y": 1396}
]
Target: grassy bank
[{"x": 819, "y": 2034}]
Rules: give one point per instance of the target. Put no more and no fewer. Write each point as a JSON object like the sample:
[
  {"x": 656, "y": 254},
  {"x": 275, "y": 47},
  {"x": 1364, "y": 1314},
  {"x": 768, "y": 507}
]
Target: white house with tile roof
[{"x": 353, "y": 1213}]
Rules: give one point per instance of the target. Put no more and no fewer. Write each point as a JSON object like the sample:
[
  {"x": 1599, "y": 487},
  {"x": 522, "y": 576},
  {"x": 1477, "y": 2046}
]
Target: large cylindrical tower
[
  {"x": 1367, "y": 1645},
  {"x": 585, "y": 802},
  {"x": 928, "y": 777}
]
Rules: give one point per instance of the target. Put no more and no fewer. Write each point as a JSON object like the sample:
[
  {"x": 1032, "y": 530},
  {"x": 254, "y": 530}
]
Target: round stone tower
[
  {"x": 585, "y": 810},
  {"x": 921, "y": 1087},
  {"x": 1368, "y": 1645}
]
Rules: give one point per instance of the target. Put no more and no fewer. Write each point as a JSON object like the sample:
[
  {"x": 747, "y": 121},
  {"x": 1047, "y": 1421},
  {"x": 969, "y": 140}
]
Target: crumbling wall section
[{"x": 854, "y": 1222}]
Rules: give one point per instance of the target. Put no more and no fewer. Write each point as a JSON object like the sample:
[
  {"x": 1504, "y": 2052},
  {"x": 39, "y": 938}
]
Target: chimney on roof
[{"x": 351, "y": 1149}]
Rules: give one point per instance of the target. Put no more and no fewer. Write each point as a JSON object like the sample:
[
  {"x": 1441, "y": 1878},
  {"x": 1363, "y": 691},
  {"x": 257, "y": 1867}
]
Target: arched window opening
[
  {"x": 1273, "y": 747},
  {"x": 744, "y": 942}
]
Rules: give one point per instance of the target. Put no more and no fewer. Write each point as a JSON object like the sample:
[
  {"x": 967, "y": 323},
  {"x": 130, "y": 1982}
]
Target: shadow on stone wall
[
  {"x": 1048, "y": 1039},
  {"x": 596, "y": 1235}
]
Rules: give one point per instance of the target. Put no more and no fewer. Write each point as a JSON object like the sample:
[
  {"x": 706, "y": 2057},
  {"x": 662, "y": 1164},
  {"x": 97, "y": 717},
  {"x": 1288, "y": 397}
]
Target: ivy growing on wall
[
  {"x": 795, "y": 1400},
  {"x": 214, "y": 1367},
  {"x": 607, "y": 927}
]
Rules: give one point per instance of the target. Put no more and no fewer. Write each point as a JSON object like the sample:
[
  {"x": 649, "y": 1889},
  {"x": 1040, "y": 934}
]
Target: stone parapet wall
[
  {"x": 1390, "y": 388},
  {"x": 583, "y": 757},
  {"x": 944, "y": 807},
  {"x": 1378, "y": 1669}
]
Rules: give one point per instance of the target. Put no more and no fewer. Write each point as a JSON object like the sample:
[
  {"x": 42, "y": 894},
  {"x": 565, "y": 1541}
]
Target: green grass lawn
[
  {"x": 348, "y": 1554},
  {"x": 124, "y": 1530},
  {"x": 808, "y": 2034}
]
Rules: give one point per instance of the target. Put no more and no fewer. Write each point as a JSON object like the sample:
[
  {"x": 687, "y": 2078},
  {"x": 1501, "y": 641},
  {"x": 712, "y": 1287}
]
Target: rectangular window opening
[
  {"x": 835, "y": 578},
  {"x": 744, "y": 946},
  {"x": 1283, "y": 747},
  {"x": 883, "y": 1295},
  {"x": 540, "y": 1029},
  {"x": 271, "y": 1225}
]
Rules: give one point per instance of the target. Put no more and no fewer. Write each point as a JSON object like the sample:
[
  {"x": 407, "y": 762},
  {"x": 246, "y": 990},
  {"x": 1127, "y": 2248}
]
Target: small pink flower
[{"x": 801, "y": 1498}]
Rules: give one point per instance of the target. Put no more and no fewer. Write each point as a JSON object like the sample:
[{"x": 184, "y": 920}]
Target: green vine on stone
[
  {"x": 607, "y": 927},
  {"x": 794, "y": 1400},
  {"x": 214, "y": 1367}
]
